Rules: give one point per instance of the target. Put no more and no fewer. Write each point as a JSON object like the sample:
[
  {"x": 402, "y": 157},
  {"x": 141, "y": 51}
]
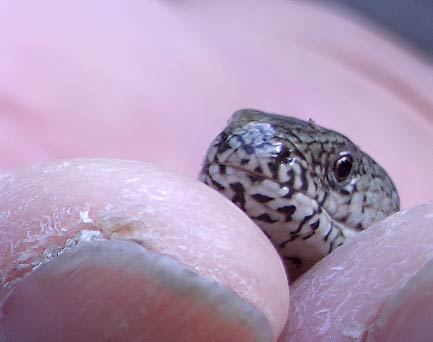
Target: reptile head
[{"x": 309, "y": 188}]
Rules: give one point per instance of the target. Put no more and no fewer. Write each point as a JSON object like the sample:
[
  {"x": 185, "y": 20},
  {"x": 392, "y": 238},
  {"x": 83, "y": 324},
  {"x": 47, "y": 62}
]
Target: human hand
[
  {"x": 127, "y": 252},
  {"x": 162, "y": 107}
]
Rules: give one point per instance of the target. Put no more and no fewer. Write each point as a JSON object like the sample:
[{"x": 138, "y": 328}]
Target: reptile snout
[{"x": 310, "y": 189}]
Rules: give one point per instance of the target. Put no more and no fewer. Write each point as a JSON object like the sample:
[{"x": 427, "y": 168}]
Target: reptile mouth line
[
  {"x": 260, "y": 177},
  {"x": 310, "y": 189}
]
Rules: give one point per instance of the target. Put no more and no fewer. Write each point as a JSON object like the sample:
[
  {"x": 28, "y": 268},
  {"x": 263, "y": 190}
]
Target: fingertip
[
  {"x": 57, "y": 204},
  {"x": 343, "y": 294},
  {"x": 407, "y": 315}
]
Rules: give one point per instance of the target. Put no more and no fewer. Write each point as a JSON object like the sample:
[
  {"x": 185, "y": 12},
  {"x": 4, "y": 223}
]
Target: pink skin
[
  {"x": 161, "y": 212},
  {"x": 372, "y": 293},
  {"x": 155, "y": 81}
]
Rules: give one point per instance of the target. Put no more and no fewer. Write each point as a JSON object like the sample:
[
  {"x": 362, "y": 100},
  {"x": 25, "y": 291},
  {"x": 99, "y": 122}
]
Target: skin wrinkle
[{"x": 359, "y": 290}]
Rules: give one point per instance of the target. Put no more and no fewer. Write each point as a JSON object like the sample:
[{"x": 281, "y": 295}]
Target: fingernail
[{"x": 118, "y": 290}]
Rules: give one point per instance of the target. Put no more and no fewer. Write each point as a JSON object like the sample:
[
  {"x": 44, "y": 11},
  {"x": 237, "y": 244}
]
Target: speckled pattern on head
[{"x": 310, "y": 189}]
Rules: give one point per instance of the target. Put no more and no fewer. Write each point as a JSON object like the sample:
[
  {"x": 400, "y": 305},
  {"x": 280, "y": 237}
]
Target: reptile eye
[{"x": 343, "y": 167}]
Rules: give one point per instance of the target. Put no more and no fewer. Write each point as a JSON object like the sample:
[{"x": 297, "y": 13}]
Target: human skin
[{"x": 155, "y": 82}]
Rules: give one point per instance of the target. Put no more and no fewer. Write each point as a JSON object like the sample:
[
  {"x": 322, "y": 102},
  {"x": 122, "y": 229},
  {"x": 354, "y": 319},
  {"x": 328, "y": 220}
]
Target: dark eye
[{"x": 343, "y": 167}]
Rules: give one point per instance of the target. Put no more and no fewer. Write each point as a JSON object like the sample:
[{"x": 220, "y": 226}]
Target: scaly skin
[{"x": 310, "y": 189}]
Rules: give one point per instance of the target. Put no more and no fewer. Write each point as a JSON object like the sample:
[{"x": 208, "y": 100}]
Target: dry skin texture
[
  {"x": 344, "y": 294},
  {"x": 47, "y": 207}
]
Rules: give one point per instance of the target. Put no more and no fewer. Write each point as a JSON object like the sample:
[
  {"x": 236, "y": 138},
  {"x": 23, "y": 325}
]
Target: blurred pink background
[{"x": 156, "y": 81}]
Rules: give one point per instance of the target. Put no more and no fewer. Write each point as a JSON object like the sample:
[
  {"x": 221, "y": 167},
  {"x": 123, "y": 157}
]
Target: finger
[
  {"x": 53, "y": 206},
  {"x": 338, "y": 71},
  {"x": 407, "y": 314},
  {"x": 358, "y": 290}
]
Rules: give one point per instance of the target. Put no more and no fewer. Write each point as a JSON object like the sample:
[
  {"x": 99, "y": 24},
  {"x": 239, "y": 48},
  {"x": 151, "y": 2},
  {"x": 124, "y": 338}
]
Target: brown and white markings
[{"x": 310, "y": 189}]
